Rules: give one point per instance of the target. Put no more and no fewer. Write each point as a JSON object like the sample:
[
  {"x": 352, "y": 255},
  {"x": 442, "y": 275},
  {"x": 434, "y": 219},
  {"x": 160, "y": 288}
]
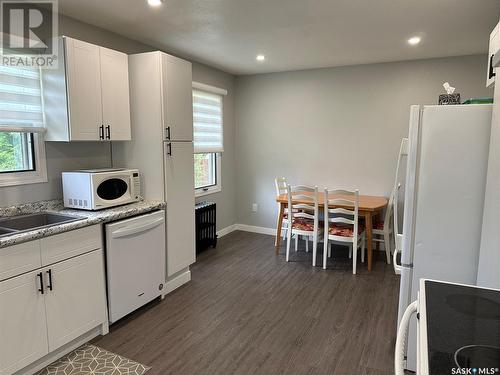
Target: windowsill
[
  {"x": 208, "y": 191},
  {"x": 22, "y": 178}
]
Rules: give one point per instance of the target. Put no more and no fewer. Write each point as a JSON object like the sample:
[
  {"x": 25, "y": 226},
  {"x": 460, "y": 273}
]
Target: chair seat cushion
[
  {"x": 379, "y": 225},
  {"x": 344, "y": 230},
  {"x": 303, "y": 224}
]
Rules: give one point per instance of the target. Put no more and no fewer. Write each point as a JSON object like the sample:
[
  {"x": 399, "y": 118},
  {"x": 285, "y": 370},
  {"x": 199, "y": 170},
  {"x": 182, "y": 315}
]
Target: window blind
[
  {"x": 207, "y": 122},
  {"x": 21, "y": 107}
]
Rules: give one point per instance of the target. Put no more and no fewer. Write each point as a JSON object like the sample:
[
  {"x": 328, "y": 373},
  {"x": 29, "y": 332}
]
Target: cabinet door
[
  {"x": 177, "y": 94},
  {"x": 76, "y": 303},
  {"x": 115, "y": 94},
  {"x": 179, "y": 176},
  {"x": 84, "y": 90},
  {"x": 23, "y": 326}
]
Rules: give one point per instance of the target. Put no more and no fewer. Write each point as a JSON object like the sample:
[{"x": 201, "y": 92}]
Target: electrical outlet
[{"x": 255, "y": 207}]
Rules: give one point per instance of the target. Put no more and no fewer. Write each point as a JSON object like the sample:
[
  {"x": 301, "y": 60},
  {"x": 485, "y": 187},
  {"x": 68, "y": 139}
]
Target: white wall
[{"x": 336, "y": 127}]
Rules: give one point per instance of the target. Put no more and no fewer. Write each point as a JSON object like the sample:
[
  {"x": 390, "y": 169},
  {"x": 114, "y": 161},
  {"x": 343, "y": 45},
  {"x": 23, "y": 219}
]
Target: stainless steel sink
[
  {"x": 25, "y": 223},
  {"x": 5, "y": 231}
]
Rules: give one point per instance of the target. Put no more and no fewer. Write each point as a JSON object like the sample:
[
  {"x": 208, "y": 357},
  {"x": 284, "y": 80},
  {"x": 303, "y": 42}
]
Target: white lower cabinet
[
  {"x": 76, "y": 303},
  {"x": 23, "y": 327},
  {"x": 50, "y": 306}
]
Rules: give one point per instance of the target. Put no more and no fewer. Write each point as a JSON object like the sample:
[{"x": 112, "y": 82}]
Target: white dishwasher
[{"x": 135, "y": 262}]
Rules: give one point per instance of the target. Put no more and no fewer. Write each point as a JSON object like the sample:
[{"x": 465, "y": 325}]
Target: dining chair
[
  {"x": 382, "y": 230},
  {"x": 341, "y": 224},
  {"x": 280, "y": 184},
  {"x": 303, "y": 216}
]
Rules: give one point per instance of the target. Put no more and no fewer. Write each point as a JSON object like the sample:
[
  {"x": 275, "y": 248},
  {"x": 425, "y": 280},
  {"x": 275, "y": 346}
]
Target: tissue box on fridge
[{"x": 446, "y": 99}]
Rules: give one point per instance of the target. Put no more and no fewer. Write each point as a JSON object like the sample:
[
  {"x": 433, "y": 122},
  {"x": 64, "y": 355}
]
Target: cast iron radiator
[{"x": 205, "y": 213}]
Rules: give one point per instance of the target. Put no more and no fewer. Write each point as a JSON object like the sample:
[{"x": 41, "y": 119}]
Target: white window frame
[
  {"x": 39, "y": 174},
  {"x": 29, "y": 177},
  {"x": 217, "y": 188}
]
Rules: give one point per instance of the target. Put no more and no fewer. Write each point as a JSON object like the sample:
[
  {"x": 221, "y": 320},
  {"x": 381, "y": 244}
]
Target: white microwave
[{"x": 95, "y": 189}]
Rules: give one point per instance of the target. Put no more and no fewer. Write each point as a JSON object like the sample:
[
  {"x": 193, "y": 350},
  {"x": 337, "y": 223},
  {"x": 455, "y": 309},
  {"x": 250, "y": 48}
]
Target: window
[
  {"x": 22, "y": 152},
  {"x": 16, "y": 152},
  {"x": 205, "y": 170},
  {"x": 208, "y": 137}
]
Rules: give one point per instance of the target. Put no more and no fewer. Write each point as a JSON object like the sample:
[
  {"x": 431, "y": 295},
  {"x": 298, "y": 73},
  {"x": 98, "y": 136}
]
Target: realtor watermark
[
  {"x": 29, "y": 33},
  {"x": 475, "y": 371}
]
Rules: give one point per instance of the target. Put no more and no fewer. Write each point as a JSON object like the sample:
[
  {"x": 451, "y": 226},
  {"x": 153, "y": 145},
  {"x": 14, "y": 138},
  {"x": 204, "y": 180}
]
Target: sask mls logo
[
  {"x": 29, "y": 29},
  {"x": 475, "y": 371}
]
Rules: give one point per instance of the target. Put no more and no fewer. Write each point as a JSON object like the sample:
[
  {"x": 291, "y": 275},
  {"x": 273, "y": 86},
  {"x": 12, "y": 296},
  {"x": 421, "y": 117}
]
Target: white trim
[
  {"x": 226, "y": 230},
  {"x": 175, "y": 282},
  {"x": 208, "y": 88},
  {"x": 38, "y": 175},
  {"x": 260, "y": 230},
  {"x": 255, "y": 229},
  {"x": 22, "y": 129},
  {"x": 200, "y": 192}
]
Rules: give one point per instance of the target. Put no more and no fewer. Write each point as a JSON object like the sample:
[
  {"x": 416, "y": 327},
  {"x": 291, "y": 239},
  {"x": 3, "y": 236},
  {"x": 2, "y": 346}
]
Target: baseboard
[
  {"x": 226, "y": 230},
  {"x": 268, "y": 231},
  {"x": 255, "y": 229},
  {"x": 177, "y": 281}
]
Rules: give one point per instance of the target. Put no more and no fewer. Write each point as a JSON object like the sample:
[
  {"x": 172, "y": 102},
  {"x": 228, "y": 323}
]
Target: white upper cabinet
[
  {"x": 493, "y": 49},
  {"x": 177, "y": 98},
  {"x": 84, "y": 90},
  {"x": 115, "y": 94},
  {"x": 87, "y": 97}
]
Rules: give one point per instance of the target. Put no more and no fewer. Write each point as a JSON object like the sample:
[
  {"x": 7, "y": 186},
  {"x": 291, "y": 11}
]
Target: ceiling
[{"x": 296, "y": 34}]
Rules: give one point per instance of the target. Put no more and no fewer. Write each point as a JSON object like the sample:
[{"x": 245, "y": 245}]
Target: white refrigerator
[
  {"x": 444, "y": 191},
  {"x": 162, "y": 149}
]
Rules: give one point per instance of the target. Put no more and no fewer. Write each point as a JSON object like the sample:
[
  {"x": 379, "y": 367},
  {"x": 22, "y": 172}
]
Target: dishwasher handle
[{"x": 129, "y": 230}]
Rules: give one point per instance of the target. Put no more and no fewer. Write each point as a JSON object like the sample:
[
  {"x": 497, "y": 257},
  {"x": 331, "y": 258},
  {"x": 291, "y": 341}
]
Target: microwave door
[{"x": 111, "y": 191}]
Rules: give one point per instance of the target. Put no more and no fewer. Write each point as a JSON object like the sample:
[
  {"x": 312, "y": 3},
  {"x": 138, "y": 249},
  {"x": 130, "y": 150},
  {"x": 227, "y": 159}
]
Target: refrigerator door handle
[
  {"x": 397, "y": 267},
  {"x": 398, "y": 238}
]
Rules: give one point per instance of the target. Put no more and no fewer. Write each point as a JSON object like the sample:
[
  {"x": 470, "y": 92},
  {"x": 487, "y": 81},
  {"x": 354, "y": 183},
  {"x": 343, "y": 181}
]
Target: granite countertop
[{"x": 87, "y": 217}]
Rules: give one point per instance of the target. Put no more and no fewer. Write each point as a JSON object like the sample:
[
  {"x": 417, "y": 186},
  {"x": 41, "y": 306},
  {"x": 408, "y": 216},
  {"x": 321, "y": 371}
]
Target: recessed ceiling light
[
  {"x": 260, "y": 58},
  {"x": 155, "y": 3},
  {"x": 414, "y": 40}
]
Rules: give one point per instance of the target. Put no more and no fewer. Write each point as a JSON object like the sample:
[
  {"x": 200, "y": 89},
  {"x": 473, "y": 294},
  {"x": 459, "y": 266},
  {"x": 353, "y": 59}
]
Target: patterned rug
[{"x": 89, "y": 359}]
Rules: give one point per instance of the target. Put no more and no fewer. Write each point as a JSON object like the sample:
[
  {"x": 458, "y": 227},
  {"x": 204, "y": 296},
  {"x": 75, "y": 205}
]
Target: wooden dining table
[{"x": 369, "y": 206}]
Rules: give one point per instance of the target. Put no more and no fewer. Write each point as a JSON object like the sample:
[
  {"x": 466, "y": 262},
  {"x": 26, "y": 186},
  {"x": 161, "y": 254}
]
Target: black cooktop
[{"x": 463, "y": 329}]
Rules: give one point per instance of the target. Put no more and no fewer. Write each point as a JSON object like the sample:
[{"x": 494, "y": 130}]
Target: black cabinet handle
[
  {"x": 168, "y": 132},
  {"x": 49, "y": 286},
  {"x": 40, "y": 277},
  {"x": 108, "y": 132},
  {"x": 169, "y": 149},
  {"x": 491, "y": 73},
  {"x": 101, "y": 132}
]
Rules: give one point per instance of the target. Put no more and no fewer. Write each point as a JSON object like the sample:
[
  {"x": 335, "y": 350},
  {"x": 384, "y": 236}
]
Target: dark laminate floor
[{"x": 247, "y": 311}]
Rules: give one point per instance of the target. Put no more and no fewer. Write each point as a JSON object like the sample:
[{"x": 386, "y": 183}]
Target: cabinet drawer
[
  {"x": 70, "y": 244},
  {"x": 18, "y": 259}
]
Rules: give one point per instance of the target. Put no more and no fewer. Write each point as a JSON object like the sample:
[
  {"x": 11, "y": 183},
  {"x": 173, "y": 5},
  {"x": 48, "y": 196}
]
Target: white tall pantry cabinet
[{"x": 162, "y": 149}]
